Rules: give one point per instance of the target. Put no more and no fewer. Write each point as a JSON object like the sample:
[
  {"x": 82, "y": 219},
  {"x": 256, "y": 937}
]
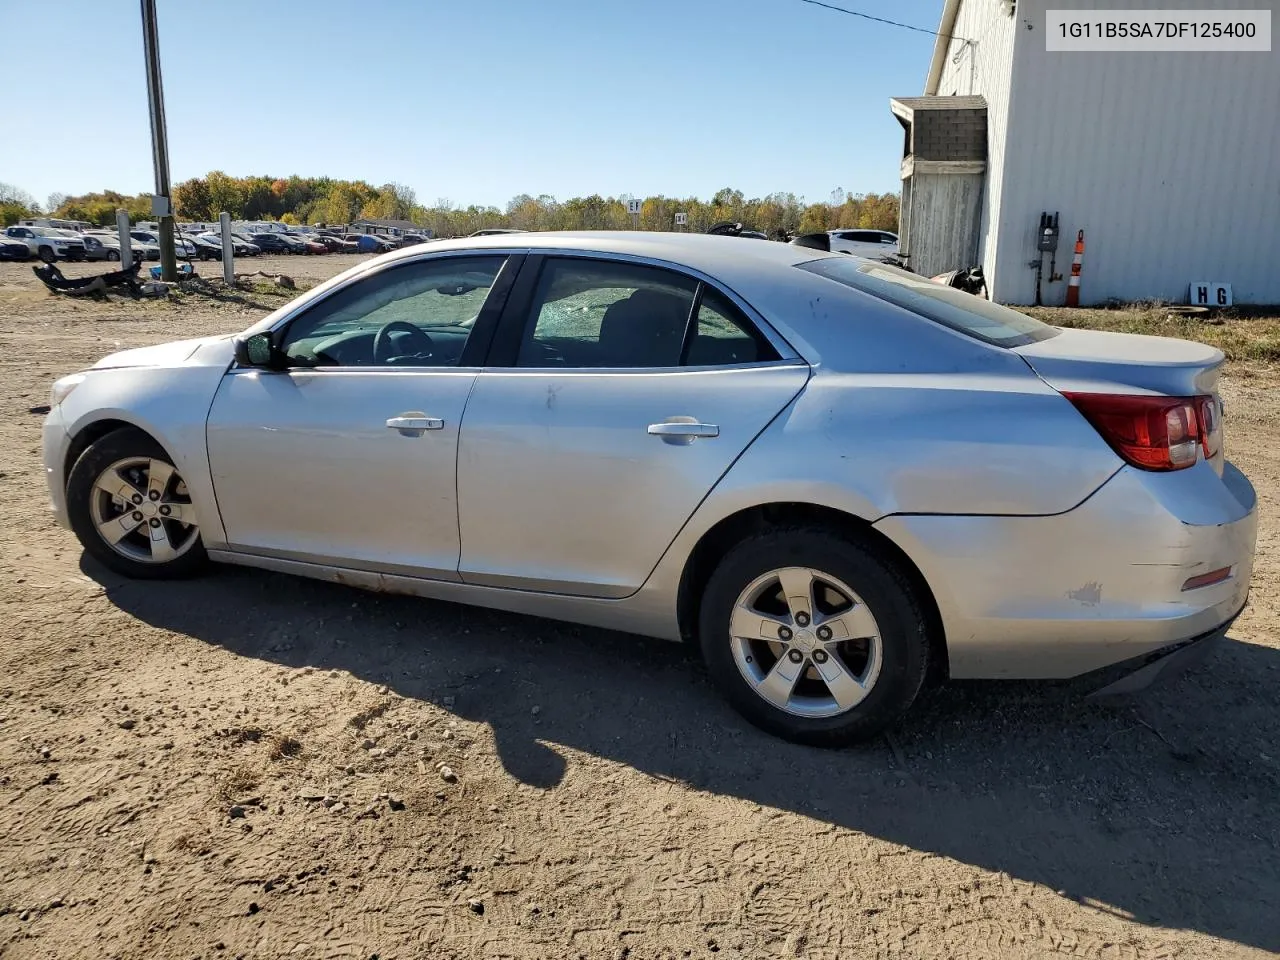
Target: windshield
[{"x": 962, "y": 312}]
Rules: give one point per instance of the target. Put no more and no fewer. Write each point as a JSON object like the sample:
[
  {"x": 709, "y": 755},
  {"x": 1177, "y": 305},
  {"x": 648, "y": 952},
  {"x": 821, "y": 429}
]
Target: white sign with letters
[
  {"x": 633, "y": 206},
  {"x": 1206, "y": 294},
  {"x": 681, "y": 219}
]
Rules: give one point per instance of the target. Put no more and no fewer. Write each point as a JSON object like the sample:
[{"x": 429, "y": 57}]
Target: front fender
[{"x": 169, "y": 403}]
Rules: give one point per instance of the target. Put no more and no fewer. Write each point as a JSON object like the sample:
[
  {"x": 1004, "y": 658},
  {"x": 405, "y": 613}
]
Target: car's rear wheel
[
  {"x": 813, "y": 637},
  {"x": 131, "y": 510},
  {"x": 113, "y": 254}
]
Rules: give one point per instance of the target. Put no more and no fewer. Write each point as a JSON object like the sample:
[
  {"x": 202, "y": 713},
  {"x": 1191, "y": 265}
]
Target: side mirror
[{"x": 255, "y": 351}]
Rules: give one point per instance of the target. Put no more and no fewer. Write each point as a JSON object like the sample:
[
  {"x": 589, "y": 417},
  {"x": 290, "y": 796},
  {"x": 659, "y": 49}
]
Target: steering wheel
[{"x": 382, "y": 343}]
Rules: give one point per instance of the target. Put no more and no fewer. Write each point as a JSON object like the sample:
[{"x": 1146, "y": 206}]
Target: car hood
[{"x": 200, "y": 352}]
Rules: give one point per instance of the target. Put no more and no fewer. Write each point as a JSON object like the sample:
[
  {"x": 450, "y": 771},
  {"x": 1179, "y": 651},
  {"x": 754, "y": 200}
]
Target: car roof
[{"x": 726, "y": 258}]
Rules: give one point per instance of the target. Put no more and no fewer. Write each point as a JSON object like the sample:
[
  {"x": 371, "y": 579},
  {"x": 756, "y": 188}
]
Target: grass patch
[
  {"x": 1246, "y": 333},
  {"x": 237, "y": 785},
  {"x": 283, "y": 746}
]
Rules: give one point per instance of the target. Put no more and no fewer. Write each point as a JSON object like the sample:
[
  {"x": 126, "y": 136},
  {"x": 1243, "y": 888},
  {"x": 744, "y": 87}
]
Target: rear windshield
[{"x": 963, "y": 312}]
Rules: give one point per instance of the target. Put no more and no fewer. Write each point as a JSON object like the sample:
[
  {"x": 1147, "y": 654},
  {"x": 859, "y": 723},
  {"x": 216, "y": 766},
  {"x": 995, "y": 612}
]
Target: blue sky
[{"x": 470, "y": 100}]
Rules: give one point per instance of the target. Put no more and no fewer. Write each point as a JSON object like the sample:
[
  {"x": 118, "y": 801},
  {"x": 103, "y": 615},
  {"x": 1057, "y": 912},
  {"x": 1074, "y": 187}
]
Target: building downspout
[{"x": 941, "y": 46}]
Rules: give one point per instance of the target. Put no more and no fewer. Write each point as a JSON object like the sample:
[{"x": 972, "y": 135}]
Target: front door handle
[
  {"x": 682, "y": 430},
  {"x": 414, "y": 424}
]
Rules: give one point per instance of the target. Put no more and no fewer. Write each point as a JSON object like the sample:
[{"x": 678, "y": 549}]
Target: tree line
[{"x": 316, "y": 200}]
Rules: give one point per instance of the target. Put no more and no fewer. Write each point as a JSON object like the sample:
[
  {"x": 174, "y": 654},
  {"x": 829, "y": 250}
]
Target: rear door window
[
  {"x": 723, "y": 336},
  {"x": 597, "y": 313},
  {"x": 600, "y": 313},
  {"x": 962, "y": 312}
]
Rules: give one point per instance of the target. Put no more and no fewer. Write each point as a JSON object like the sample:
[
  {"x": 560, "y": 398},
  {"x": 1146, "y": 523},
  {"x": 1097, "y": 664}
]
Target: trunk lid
[{"x": 1096, "y": 361}]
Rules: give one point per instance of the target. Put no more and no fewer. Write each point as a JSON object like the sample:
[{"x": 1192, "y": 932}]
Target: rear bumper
[
  {"x": 1163, "y": 665},
  {"x": 1060, "y": 596}
]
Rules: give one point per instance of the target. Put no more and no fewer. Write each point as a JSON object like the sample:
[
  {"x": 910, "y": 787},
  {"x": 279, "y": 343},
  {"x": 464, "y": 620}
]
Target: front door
[
  {"x": 348, "y": 455},
  {"x": 633, "y": 391}
]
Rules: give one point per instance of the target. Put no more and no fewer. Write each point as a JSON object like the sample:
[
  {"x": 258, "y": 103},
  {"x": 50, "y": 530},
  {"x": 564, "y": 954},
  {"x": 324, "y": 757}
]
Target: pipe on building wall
[{"x": 946, "y": 31}]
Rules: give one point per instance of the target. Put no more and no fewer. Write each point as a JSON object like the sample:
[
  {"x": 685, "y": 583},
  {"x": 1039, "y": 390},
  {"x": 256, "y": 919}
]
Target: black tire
[
  {"x": 880, "y": 584},
  {"x": 115, "y": 446},
  {"x": 47, "y": 255},
  {"x": 113, "y": 254}
]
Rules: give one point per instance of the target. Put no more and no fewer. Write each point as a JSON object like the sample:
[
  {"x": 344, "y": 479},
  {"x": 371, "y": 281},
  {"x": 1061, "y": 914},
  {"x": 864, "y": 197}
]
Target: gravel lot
[{"x": 247, "y": 765}]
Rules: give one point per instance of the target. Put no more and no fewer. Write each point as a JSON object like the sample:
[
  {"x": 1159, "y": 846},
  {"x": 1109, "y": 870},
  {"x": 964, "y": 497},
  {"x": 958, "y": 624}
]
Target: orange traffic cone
[{"x": 1073, "y": 285}]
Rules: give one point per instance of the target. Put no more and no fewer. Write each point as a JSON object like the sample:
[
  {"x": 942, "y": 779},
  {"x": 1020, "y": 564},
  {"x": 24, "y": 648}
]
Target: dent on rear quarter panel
[{"x": 939, "y": 443}]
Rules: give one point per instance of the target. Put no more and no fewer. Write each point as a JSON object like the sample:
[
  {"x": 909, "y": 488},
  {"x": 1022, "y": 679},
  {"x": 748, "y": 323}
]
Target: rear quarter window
[{"x": 960, "y": 311}]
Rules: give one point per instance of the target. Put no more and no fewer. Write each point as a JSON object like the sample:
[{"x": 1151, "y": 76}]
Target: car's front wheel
[
  {"x": 113, "y": 255},
  {"x": 47, "y": 254},
  {"x": 131, "y": 510},
  {"x": 813, "y": 637}
]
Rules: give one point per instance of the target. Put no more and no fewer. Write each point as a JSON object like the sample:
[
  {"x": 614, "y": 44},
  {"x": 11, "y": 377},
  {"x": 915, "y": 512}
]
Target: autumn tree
[
  {"x": 15, "y": 204},
  {"x": 192, "y": 200},
  {"x": 310, "y": 200}
]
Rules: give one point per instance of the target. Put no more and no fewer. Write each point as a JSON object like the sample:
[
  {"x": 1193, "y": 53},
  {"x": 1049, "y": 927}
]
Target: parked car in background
[
  {"x": 273, "y": 243},
  {"x": 49, "y": 243},
  {"x": 105, "y": 245},
  {"x": 369, "y": 243},
  {"x": 336, "y": 244},
  {"x": 494, "y": 231},
  {"x": 101, "y": 246},
  {"x": 310, "y": 243},
  {"x": 241, "y": 245},
  {"x": 13, "y": 248},
  {"x": 214, "y": 242},
  {"x": 143, "y": 250},
  {"x": 872, "y": 244},
  {"x": 251, "y": 249},
  {"x": 204, "y": 249},
  {"x": 183, "y": 246},
  {"x": 841, "y": 478}
]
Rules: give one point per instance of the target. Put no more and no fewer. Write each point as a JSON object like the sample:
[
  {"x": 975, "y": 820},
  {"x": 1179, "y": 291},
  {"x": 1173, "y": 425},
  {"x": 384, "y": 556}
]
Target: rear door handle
[
  {"x": 414, "y": 426},
  {"x": 683, "y": 430}
]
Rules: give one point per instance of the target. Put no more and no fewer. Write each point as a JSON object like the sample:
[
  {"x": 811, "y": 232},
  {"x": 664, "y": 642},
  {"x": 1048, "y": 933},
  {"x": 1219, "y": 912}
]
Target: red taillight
[
  {"x": 1209, "y": 410},
  {"x": 1154, "y": 433}
]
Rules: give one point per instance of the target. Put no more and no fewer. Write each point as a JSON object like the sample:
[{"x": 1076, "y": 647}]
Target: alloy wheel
[
  {"x": 805, "y": 642},
  {"x": 142, "y": 510}
]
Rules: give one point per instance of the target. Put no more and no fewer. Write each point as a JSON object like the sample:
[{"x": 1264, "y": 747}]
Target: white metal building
[{"x": 1169, "y": 161}]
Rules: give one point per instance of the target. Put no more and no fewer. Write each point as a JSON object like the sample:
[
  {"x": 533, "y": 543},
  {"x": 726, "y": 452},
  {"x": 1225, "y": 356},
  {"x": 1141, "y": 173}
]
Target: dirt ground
[{"x": 246, "y": 765}]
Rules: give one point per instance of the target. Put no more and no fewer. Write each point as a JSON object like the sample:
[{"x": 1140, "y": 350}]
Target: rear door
[{"x": 618, "y": 394}]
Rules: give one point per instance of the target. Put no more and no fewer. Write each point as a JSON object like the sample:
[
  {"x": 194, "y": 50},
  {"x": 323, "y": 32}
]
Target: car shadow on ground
[{"x": 1160, "y": 807}]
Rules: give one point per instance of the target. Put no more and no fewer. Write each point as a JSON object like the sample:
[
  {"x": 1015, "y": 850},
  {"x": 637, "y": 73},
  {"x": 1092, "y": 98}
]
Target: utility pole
[{"x": 162, "y": 205}]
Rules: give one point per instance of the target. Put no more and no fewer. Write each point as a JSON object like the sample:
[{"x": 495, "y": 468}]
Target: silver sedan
[{"x": 835, "y": 477}]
